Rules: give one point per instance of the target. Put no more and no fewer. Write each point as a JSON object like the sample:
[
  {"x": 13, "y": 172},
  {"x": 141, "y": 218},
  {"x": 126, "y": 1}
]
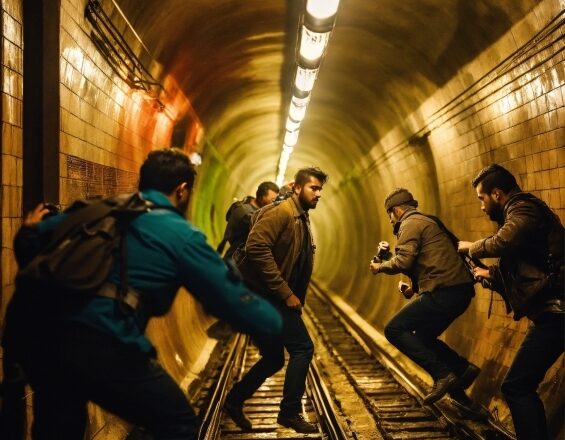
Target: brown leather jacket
[
  {"x": 528, "y": 233},
  {"x": 273, "y": 247},
  {"x": 425, "y": 253}
]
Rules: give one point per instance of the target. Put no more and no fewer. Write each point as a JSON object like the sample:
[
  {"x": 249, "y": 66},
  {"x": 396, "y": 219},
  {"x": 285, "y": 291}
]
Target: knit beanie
[{"x": 399, "y": 196}]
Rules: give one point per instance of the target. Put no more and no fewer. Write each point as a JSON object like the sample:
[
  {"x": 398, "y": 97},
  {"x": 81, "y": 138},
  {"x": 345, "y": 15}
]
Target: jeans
[
  {"x": 415, "y": 328},
  {"x": 297, "y": 341},
  {"x": 541, "y": 347},
  {"x": 76, "y": 365}
]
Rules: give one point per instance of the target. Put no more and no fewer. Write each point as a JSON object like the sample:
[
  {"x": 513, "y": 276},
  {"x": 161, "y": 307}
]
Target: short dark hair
[
  {"x": 264, "y": 188},
  {"x": 303, "y": 176},
  {"x": 495, "y": 176},
  {"x": 165, "y": 169}
]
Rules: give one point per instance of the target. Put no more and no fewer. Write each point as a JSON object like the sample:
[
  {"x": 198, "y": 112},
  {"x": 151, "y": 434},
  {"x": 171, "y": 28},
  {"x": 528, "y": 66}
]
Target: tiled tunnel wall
[
  {"x": 11, "y": 171},
  {"x": 106, "y": 131},
  {"x": 505, "y": 106}
]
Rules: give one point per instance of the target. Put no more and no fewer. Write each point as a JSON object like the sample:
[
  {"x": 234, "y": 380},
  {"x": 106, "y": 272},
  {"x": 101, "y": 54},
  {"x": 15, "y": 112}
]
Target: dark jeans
[
  {"x": 296, "y": 340},
  {"x": 539, "y": 350},
  {"x": 77, "y": 365},
  {"x": 415, "y": 328}
]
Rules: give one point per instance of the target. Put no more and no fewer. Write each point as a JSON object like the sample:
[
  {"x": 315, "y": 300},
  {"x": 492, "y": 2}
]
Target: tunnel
[{"x": 420, "y": 94}]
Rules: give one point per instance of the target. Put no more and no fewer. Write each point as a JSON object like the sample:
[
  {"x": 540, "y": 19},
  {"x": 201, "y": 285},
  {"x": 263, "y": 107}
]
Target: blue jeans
[
  {"x": 541, "y": 347},
  {"x": 415, "y": 328},
  {"x": 76, "y": 365},
  {"x": 297, "y": 341}
]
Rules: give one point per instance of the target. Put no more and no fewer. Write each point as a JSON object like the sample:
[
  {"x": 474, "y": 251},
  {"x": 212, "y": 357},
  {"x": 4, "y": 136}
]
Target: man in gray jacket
[
  {"x": 529, "y": 276},
  {"x": 426, "y": 254}
]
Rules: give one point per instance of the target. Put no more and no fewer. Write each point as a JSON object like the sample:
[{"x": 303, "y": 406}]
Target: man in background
[{"x": 239, "y": 217}]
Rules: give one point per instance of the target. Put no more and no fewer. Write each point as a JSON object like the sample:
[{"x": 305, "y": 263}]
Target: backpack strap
[
  {"x": 470, "y": 262},
  {"x": 131, "y": 207},
  {"x": 131, "y": 297}
]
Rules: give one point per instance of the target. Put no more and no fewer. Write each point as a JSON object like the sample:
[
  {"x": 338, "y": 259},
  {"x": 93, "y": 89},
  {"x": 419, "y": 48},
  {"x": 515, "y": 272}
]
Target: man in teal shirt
[{"x": 87, "y": 349}]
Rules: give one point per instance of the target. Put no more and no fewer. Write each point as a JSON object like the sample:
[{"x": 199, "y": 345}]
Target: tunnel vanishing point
[{"x": 413, "y": 93}]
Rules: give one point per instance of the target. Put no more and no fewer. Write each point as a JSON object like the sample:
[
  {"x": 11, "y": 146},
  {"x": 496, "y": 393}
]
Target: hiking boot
[
  {"x": 468, "y": 376},
  {"x": 235, "y": 411},
  {"x": 441, "y": 386},
  {"x": 471, "y": 411},
  {"x": 297, "y": 423}
]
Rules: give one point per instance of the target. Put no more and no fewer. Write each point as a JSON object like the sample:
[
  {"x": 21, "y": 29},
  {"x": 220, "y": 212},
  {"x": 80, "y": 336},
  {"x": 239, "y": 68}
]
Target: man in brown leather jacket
[
  {"x": 277, "y": 263},
  {"x": 425, "y": 252},
  {"x": 529, "y": 275}
]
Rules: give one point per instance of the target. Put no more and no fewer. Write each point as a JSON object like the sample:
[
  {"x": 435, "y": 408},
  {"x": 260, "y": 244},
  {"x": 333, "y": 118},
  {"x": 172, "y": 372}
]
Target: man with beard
[
  {"x": 425, "y": 252},
  {"x": 277, "y": 262},
  {"x": 91, "y": 348},
  {"x": 529, "y": 276}
]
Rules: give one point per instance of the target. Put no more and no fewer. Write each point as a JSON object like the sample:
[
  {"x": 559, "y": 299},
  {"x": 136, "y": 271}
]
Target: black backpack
[
  {"x": 77, "y": 259},
  {"x": 87, "y": 244},
  {"x": 229, "y": 212}
]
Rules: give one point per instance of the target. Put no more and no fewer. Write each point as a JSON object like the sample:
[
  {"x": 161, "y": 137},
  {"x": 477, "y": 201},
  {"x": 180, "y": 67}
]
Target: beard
[
  {"x": 306, "y": 203},
  {"x": 496, "y": 215}
]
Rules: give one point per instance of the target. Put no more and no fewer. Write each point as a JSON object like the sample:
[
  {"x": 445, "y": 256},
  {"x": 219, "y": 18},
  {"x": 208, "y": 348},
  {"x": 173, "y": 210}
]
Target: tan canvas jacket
[{"x": 273, "y": 247}]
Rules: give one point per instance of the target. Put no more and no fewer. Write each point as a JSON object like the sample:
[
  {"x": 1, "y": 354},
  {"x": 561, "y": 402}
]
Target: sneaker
[
  {"x": 236, "y": 413},
  {"x": 441, "y": 386},
  {"x": 468, "y": 376},
  {"x": 297, "y": 423}
]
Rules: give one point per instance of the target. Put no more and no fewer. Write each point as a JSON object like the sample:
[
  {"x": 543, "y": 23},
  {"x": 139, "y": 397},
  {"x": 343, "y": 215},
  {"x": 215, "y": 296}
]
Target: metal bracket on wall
[{"x": 111, "y": 43}]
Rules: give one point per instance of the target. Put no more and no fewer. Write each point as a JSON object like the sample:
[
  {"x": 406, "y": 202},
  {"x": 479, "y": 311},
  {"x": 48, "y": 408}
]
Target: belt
[{"x": 109, "y": 290}]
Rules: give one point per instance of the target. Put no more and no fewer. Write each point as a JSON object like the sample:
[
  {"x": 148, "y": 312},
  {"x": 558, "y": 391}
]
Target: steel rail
[
  {"x": 210, "y": 428},
  {"x": 402, "y": 375}
]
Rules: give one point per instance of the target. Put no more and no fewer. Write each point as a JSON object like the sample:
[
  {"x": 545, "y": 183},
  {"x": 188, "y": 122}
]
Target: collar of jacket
[
  {"x": 513, "y": 197},
  {"x": 298, "y": 211},
  {"x": 403, "y": 217},
  {"x": 407, "y": 213}
]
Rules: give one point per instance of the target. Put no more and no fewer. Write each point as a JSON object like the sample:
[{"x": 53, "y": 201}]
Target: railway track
[
  {"x": 392, "y": 396},
  {"x": 262, "y": 409},
  {"x": 388, "y": 393}
]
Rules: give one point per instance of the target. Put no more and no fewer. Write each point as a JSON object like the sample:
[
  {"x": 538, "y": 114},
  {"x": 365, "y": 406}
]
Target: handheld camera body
[{"x": 383, "y": 252}]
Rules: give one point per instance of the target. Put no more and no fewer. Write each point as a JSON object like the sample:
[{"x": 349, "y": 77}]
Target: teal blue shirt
[{"x": 166, "y": 252}]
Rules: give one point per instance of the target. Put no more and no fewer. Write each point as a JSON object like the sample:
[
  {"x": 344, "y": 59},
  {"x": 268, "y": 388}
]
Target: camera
[{"x": 383, "y": 252}]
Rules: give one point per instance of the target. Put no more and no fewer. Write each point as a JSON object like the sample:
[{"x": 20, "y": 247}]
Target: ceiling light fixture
[
  {"x": 318, "y": 23},
  {"x": 322, "y": 9}
]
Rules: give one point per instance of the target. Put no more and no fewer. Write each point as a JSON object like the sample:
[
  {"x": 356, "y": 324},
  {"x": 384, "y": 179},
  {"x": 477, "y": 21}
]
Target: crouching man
[{"x": 426, "y": 254}]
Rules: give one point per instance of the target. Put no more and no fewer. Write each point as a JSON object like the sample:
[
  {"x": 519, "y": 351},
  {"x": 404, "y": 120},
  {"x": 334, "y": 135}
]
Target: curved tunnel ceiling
[{"x": 235, "y": 62}]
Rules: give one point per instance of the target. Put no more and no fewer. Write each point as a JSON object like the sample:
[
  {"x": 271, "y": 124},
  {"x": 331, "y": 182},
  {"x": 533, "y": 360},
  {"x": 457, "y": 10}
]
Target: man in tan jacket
[{"x": 277, "y": 263}]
